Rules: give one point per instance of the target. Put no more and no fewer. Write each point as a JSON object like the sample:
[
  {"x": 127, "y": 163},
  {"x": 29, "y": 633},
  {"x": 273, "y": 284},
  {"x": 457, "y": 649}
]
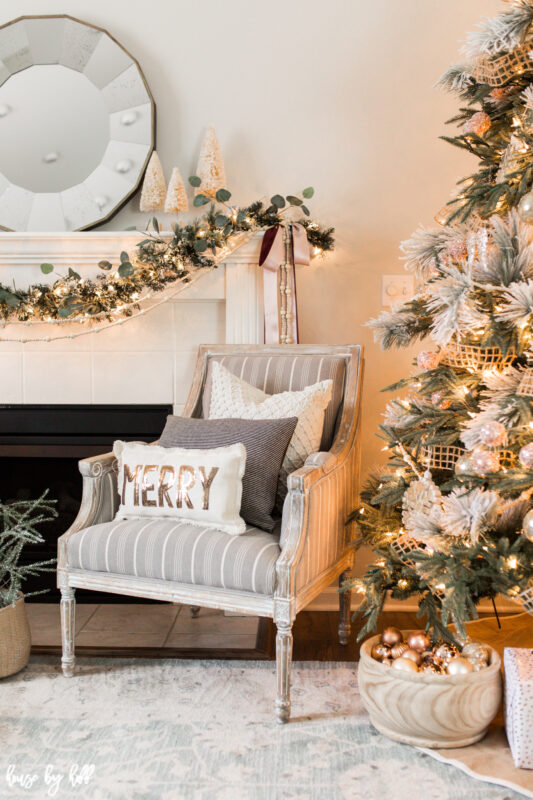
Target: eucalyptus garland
[{"x": 158, "y": 261}]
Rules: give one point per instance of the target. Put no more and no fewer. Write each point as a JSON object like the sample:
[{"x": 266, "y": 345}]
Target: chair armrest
[
  {"x": 99, "y": 500},
  {"x": 315, "y": 534}
]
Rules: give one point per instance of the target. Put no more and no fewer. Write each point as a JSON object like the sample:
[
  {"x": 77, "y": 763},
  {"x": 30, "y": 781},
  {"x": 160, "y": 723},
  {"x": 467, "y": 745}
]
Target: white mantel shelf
[{"x": 147, "y": 360}]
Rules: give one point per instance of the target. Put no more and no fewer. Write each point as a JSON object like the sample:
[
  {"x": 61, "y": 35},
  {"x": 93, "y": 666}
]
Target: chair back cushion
[{"x": 281, "y": 373}]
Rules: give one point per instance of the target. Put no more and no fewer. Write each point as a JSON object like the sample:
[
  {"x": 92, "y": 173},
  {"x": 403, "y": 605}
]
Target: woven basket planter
[
  {"x": 427, "y": 710},
  {"x": 15, "y": 639}
]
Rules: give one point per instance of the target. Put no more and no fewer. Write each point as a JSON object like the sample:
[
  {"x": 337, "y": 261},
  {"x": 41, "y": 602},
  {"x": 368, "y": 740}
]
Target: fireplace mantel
[{"x": 146, "y": 360}]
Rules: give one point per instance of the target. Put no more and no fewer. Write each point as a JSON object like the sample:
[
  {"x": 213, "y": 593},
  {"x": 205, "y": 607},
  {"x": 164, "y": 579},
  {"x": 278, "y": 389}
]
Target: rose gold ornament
[
  {"x": 428, "y": 359},
  {"x": 485, "y": 462},
  {"x": 527, "y": 526},
  {"x": 459, "y": 666},
  {"x": 399, "y": 649},
  {"x": 493, "y": 433},
  {"x": 429, "y": 666},
  {"x": 443, "y": 652},
  {"x": 525, "y": 456},
  {"x": 380, "y": 651},
  {"x": 391, "y": 636},
  {"x": 404, "y": 664},
  {"x": 413, "y": 655},
  {"x": 479, "y": 123},
  {"x": 419, "y": 640},
  {"x": 458, "y": 250}
]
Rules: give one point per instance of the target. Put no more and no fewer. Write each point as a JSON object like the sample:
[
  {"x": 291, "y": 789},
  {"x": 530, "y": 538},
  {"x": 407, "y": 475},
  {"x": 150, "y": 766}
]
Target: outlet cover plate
[{"x": 396, "y": 289}]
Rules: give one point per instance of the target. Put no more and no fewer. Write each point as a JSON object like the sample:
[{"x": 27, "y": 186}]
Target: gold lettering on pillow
[
  {"x": 148, "y": 487},
  {"x": 184, "y": 484},
  {"x": 165, "y": 483},
  {"x": 206, "y": 484},
  {"x": 129, "y": 477}
]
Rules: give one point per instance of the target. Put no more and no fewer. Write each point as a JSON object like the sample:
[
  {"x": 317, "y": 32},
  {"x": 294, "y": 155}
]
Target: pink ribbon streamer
[{"x": 271, "y": 258}]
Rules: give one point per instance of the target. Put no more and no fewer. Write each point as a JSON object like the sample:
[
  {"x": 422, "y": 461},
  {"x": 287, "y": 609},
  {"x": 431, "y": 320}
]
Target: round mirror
[{"x": 76, "y": 124}]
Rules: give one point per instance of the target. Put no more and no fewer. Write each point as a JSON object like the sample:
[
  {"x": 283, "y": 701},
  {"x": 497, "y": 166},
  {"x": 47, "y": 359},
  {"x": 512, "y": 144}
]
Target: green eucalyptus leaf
[
  {"x": 142, "y": 244},
  {"x": 195, "y": 181},
  {"x": 305, "y": 210},
  {"x": 65, "y": 311},
  {"x": 46, "y": 269},
  {"x": 271, "y": 210},
  {"x": 125, "y": 269},
  {"x": 278, "y": 201},
  {"x": 200, "y": 245},
  {"x": 10, "y": 299},
  {"x": 294, "y": 201},
  {"x": 308, "y": 193},
  {"x": 155, "y": 224},
  {"x": 73, "y": 274},
  {"x": 220, "y": 220},
  {"x": 131, "y": 228},
  {"x": 241, "y": 216},
  {"x": 223, "y": 195},
  {"x": 124, "y": 257},
  {"x": 106, "y": 265},
  {"x": 200, "y": 200}
]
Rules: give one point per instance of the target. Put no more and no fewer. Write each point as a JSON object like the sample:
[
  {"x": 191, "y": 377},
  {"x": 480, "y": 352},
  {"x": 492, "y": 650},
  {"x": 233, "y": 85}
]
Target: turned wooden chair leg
[
  {"x": 283, "y": 667},
  {"x": 195, "y": 610},
  {"x": 68, "y": 622},
  {"x": 345, "y": 602}
]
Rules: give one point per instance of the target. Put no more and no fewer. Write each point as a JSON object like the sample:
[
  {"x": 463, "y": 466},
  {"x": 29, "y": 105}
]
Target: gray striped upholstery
[
  {"x": 274, "y": 374},
  {"x": 175, "y": 550}
]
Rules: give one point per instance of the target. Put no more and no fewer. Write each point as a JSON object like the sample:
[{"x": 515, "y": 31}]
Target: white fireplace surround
[{"x": 146, "y": 360}]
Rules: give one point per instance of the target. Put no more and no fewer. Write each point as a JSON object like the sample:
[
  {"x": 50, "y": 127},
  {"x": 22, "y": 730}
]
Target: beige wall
[{"x": 334, "y": 93}]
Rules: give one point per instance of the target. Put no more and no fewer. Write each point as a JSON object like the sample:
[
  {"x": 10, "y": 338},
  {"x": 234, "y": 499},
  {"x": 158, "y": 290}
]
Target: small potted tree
[{"x": 19, "y": 522}]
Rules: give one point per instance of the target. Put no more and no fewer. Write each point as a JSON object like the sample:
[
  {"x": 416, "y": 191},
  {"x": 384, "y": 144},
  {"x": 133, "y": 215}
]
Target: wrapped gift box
[{"x": 518, "y": 704}]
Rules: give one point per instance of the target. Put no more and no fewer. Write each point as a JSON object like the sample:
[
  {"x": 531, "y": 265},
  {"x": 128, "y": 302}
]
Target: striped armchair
[{"x": 257, "y": 573}]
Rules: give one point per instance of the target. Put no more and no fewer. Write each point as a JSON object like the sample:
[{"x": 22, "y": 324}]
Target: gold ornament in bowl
[
  {"x": 413, "y": 655},
  {"x": 405, "y": 664},
  {"x": 429, "y": 666},
  {"x": 391, "y": 636},
  {"x": 419, "y": 640},
  {"x": 459, "y": 666},
  {"x": 380, "y": 651},
  {"x": 443, "y": 652},
  {"x": 399, "y": 649}
]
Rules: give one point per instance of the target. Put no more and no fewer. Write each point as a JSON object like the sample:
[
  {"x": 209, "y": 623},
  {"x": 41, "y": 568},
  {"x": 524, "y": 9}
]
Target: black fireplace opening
[{"x": 40, "y": 446}]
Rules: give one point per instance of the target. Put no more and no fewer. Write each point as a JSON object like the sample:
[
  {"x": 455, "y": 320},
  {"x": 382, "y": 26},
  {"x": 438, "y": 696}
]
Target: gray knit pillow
[{"x": 265, "y": 440}]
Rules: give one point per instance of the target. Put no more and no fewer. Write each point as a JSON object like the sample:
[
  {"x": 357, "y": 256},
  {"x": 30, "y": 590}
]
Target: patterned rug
[{"x": 193, "y": 730}]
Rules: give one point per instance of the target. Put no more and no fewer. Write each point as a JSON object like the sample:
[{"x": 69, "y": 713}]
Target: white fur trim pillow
[
  {"x": 203, "y": 487},
  {"x": 233, "y": 397}
]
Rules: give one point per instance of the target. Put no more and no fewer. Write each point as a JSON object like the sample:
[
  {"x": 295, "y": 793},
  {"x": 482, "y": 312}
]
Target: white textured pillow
[
  {"x": 203, "y": 487},
  {"x": 233, "y": 397}
]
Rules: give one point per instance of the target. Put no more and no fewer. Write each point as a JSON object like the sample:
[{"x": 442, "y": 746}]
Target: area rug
[{"x": 193, "y": 730}]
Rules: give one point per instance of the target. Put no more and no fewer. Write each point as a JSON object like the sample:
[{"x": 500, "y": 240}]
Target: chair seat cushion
[{"x": 174, "y": 550}]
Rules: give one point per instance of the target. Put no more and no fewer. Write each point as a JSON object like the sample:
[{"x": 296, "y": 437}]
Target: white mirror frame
[{"x": 91, "y": 51}]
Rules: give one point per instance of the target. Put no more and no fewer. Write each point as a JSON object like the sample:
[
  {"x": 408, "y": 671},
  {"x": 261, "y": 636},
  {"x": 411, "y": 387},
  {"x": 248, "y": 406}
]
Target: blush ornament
[
  {"x": 527, "y": 526},
  {"x": 493, "y": 434},
  {"x": 428, "y": 359},
  {"x": 412, "y": 655},
  {"x": 485, "y": 462},
  {"x": 479, "y": 123},
  {"x": 459, "y": 666},
  {"x": 391, "y": 636},
  {"x": 404, "y": 664},
  {"x": 525, "y": 456},
  {"x": 419, "y": 641}
]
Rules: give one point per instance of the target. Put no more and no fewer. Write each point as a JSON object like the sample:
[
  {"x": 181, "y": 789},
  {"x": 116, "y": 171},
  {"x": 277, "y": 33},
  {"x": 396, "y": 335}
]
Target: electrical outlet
[{"x": 396, "y": 289}]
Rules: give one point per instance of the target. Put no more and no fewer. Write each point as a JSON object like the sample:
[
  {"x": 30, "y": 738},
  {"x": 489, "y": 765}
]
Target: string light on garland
[{"x": 160, "y": 263}]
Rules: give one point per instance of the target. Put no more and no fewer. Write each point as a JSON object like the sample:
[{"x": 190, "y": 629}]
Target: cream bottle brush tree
[
  {"x": 154, "y": 188},
  {"x": 450, "y": 517}
]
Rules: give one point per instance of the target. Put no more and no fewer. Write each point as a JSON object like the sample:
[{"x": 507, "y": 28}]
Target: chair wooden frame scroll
[{"x": 317, "y": 546}]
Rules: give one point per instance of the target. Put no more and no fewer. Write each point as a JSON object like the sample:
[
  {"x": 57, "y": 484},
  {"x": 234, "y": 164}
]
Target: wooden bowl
[{"x": 428, "y": 710}]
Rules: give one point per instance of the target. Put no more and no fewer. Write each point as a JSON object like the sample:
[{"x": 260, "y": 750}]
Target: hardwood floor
[{"x": 169, "y": 631}]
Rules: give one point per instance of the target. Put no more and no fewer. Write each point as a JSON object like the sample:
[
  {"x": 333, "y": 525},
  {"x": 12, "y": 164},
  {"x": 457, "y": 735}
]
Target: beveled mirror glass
[{"x": 76, "y": 124}]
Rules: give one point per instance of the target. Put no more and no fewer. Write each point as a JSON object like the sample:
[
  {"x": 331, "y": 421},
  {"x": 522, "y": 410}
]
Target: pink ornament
[
  {"x": 479, "y": 123},
  {"x": 427, "y": 360},
  {"x": 484, "y": 461},
  {"x": 526, "y": 456},
  {"x": 439, "y": 399},
  {"x": 493, "y": 434},
  {"x": 457, "y": 250}
]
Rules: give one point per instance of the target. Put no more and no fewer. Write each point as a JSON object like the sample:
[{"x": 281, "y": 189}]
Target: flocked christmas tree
[
  {"x": 176, "y": 201},
  {"x": 451, "y": 515},
  {"x": 210, "y": 167},
  {"x": 154, "y": 188}
]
